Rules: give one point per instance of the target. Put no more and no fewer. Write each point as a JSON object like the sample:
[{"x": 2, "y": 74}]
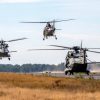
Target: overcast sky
[{"x": 86, "y": 27}]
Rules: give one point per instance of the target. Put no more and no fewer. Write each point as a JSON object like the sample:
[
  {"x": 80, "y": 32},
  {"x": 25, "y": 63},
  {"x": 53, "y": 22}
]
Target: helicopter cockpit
[{"x": 73, "y": 54}]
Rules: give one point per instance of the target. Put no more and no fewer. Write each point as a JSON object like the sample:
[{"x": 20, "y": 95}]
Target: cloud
[{"x": 20, "y": 1}]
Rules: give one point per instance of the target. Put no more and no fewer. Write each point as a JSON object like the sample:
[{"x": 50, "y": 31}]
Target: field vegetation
[{"x": 30, "y": 87}]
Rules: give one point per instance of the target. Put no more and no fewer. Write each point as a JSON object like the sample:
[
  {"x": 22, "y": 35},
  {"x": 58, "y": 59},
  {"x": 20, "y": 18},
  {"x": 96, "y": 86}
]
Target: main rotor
[
  {"x": 52, "y": 21},
  {"x": 13, "y": 40},
  {"x": 75, "y": 48}
]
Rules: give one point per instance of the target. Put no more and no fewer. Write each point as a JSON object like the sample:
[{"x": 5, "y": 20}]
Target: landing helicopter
[
  {"x": 4, "y": 52},
  {"x": 76, "y": 59},
  {"x": 49, "y": 29}
]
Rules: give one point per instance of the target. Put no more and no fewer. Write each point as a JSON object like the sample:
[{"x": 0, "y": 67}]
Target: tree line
[{"x": 28, "y": 68}]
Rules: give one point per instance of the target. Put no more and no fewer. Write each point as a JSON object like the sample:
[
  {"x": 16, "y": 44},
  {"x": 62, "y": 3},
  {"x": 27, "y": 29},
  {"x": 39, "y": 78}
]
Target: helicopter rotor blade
[
  {"x": 61, "y": 46},
  {"x": 58, "y": 29},
  {"x": 50, "y": 21},
  {"x": 16, "y": 40},
  {"x": 93, "y": 48},
  {"x": 12, "y": 51},
  {"x": 34, "y": 22},
  {"x": 89, "y": 60},
  {"x": 61, "y": 20},
  {"x": 43, "y": 49},
  {"x": 93, "y": 51},
  {"x": 93, "y": 63}
]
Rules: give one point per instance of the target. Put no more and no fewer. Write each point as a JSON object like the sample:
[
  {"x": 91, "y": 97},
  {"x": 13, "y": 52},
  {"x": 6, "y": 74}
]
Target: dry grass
[
  {"x": 45, "y": 94},
  {"x": 29, "y": 87}
]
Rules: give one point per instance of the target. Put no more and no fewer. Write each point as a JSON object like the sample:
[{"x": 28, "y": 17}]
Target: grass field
[{"x": 30, "y": 87}]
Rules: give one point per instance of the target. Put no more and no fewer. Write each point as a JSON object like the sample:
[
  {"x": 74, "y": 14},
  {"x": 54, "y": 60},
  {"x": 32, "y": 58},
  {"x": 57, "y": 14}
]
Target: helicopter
[
  {"x": 4, "y": 52},
  {"x": 49, "y": 29},
  {"x": 76, "y": 59}
]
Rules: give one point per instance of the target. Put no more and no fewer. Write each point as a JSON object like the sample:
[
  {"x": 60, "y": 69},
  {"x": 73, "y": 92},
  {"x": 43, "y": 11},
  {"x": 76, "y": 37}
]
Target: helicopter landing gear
[
  {"x": 46, "y": 37},
  {"x": 66, "y": 72},
  {"x": 69, "y": 72},
  {"x": 87, "y": 72},
  {"x": 8, "y": 58},
  {"x": 55, "y": 37}
]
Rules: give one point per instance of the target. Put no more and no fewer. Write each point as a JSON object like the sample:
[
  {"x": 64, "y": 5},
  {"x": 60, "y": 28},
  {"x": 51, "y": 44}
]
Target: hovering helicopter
[
  {"x": 49, "y": 29},
  {"x": 4, "y": 52},
  {"x": 76, "y": 58}
]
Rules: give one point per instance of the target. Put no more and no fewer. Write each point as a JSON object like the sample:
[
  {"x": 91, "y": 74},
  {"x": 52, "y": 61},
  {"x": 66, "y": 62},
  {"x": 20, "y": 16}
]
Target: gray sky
[{"x": 85, "y": 28}]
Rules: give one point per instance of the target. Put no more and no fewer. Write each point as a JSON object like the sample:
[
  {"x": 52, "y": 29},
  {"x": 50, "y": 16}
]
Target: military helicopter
[
  {"x": 76, "y": 59},
  {"x": 49, "y": 29},
  {"x": 4, "y": 52}
]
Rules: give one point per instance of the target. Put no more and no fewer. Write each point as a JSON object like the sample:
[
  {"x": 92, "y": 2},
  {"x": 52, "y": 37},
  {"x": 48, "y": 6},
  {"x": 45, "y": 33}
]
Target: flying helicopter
[
  {"x": 76, "y": 59},
  {"x": 49, "y": 29},
  {"x": 4, "y": 52}
]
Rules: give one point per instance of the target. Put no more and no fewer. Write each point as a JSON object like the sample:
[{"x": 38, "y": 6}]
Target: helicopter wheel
[
  {"x": 87, "y": 72},
  {"x": 8, "y": 58},
  {"x": 71, "y": 73},
  {"x": 66, "y": 72},
  {"x": 55, "y": 37},
  {"x": 43, "y": 39}
]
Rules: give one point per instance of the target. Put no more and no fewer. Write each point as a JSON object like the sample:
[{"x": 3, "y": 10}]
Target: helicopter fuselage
[
  {"x": 77, "y": 68},
  {"x": 5, "y": 54},
  {"x": 75, "y": 62},
  {"x": 49, "y": 31}
]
